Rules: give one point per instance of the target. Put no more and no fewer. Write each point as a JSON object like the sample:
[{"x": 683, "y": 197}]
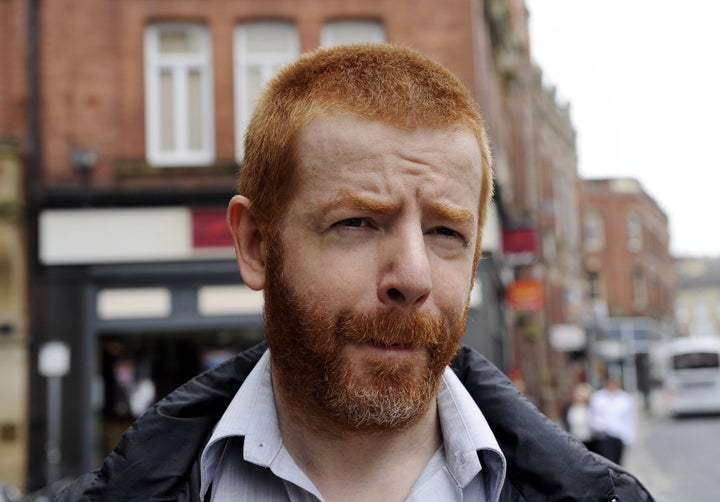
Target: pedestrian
[
  {"x": 577, "y": 416},
  {"x": 613, "y": 417},
  {"x": 362, "y": 197}
]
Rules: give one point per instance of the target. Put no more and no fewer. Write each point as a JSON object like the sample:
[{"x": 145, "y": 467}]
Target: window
[
  {"x": 596, "y": 286},
  {"x": 178, "y": 95},
  {"x": 351, "y": 32},
  {"x": 594, "y": 231},
  {"x": 634, "y": 233},
  {"x": 696, "y": 360},
  {"x": 566, "y": 221},
  {"x": 260, "y": 48},
  {"x": 639, "y": 289}
]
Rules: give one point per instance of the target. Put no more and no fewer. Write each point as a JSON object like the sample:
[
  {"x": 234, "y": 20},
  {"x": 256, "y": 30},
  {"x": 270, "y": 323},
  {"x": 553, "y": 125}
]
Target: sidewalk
[{"x": 638, "y": 459}]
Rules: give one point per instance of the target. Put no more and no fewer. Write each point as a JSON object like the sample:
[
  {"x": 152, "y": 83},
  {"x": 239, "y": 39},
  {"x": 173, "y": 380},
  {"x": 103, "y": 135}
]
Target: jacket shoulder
[{"x": 544, "y": 462}]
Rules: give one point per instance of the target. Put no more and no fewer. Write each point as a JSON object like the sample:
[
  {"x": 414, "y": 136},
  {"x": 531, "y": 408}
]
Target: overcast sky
[{"x": 643, "y": 81}]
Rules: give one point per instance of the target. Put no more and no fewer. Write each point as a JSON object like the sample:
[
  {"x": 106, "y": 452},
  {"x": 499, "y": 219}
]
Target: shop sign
[
  {"x": 526, "y": 294},
  {"x": 567, "y": 337},
  {"x": 209, "y": 228},
  {"x": 520, "y": 245}
]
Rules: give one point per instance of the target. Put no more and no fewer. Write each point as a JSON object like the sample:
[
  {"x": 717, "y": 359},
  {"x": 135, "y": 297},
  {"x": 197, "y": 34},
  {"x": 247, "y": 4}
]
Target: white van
[{"x": 692, "y": 378}]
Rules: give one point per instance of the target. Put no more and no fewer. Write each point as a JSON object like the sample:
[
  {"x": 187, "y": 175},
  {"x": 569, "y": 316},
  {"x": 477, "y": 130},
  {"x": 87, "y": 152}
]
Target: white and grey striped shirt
[{"x": 245, "y": 458}]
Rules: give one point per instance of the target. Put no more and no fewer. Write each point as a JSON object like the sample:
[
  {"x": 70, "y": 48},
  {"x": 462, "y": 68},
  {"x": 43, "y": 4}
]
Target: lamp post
[{"x": 53, "y": 364}]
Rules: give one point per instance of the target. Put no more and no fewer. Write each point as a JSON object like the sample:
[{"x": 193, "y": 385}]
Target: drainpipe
[{"x": 36, "y": 430}]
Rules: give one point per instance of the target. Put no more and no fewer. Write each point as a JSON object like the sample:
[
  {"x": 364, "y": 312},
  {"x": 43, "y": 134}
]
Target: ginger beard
[{"x": 325, "y": 388}]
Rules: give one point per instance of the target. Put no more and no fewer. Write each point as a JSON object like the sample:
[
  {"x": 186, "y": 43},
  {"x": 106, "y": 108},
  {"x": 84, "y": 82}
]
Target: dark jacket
[{"x": 158, "y": 456}]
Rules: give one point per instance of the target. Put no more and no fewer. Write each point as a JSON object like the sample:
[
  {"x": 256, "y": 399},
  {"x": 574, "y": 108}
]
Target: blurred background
[{"x": 121, "y": 130}]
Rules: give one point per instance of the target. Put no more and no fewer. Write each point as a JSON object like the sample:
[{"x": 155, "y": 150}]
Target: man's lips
[{"x": 395, "y": 346}]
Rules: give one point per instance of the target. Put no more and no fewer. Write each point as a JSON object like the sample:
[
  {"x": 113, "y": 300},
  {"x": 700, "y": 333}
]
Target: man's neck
[{"x": 352, "y": 465}]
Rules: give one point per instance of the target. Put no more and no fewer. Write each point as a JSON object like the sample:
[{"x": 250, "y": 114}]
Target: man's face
[{"x": 367, "y": 289}]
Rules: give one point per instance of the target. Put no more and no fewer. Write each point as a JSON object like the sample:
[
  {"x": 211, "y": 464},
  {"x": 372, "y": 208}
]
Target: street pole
[
  {"x": 53, "y": 364},
  {"x": 53, "y": 452},
  {"x": 627, "y": 330}
]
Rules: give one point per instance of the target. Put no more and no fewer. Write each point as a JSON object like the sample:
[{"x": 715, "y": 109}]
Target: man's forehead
[{"x": 342, "y": 132}]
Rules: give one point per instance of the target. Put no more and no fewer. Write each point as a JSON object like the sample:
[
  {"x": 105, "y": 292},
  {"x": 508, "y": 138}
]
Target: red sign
[
  {"x": 520, "y": 245},
  {"x": 526, "y": 294},
  {"x": 209, "y": 229}
]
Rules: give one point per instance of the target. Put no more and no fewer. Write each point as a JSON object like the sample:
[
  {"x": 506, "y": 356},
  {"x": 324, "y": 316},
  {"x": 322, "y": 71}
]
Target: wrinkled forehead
[
  {"x": 346, "y": 137},
  {"x": 305, "y": 126}
]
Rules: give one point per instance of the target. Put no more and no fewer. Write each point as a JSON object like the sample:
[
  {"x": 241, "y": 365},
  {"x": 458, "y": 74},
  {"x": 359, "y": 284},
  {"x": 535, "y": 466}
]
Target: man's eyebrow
[
  {"x": 453, "y": 213},
  {"x": 347, "y": 199},
  {"x": 352, "y": 200}
]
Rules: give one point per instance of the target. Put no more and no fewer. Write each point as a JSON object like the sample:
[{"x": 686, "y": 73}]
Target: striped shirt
[{"x": 245, "y": 458}]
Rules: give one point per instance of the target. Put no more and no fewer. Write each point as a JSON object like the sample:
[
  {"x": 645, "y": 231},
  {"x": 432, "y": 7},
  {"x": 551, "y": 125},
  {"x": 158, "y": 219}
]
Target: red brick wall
[
  {"x": 616, "y": 263},
  {"x": 92, "y": 65},
  {"x": 13, "y": 70}
]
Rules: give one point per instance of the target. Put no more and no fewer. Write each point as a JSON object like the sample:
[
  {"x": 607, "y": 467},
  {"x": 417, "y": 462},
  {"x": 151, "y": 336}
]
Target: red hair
[{"x": 383, "y": 82}]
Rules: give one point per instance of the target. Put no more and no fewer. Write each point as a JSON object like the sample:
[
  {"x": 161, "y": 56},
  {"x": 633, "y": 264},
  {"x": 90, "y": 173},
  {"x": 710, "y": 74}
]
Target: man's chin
[{"x": 379, "y": 393}]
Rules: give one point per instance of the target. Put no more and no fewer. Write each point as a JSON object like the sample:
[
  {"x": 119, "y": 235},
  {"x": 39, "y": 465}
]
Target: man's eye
[
  {"x": 447, "y": 232},
  {"x": 353, "y": 222}
]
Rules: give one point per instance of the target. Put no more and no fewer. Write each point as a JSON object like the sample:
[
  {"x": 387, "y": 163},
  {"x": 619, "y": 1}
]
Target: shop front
[{"x": 145, "y": 301}]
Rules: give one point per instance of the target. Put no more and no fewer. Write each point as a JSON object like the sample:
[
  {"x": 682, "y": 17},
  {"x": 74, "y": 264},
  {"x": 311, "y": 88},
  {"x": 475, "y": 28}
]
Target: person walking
[
  {"x": 577, "y": 416},
  {"x": 612, "y": 417}
]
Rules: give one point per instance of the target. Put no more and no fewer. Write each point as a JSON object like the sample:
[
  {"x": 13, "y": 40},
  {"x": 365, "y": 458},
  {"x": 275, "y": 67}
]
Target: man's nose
[{"x": 405, "y": 280}]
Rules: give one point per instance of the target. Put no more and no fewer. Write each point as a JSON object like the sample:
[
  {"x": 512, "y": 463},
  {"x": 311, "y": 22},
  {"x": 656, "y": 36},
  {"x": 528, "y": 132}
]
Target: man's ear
[{"x": 249, "y": 245}]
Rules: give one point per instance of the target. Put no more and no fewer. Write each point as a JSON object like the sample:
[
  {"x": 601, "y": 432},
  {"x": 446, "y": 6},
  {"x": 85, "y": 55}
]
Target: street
[{"x": 677, "y": 459}]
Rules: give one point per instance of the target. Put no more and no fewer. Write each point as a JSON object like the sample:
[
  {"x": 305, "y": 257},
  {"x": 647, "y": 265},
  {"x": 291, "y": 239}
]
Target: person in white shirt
[
  {"x": 577, "y": 417},
  {"x": 613, "y": 417}
]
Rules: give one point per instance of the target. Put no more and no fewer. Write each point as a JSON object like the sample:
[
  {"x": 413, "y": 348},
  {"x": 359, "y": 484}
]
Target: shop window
[
  {"x": 138, "y": 369},
  {"x": 260, "y": 48},
  {"x": 178, "y": 95}
]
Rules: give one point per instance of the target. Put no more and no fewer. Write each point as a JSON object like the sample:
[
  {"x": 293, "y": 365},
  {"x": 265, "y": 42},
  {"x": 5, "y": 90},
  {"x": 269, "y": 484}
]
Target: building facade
[
  {"x": 128, "y": 119},
  {"x": 14, "y": 353},
  {"x": 627, "y": 249},
  {"x": 631, "y": 277},
  {"x": 697, "y": 301}
]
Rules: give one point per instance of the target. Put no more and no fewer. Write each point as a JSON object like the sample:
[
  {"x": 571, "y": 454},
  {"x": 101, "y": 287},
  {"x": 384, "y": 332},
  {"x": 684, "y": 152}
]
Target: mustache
[{"x": 393, "y": 328}]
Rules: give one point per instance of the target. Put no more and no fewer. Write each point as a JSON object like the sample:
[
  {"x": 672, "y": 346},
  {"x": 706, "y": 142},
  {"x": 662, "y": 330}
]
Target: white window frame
[
  {"x": 566, "y": 216},
  {"x": 352, "y": 31},
  {"x": 180, "y": 65},
  {"x": 267, "y": 62},
  {"x": 594, "y": 230},
  {"x": 634, "y": 232},
  {"x": 639, "y": 289},
  {"x": 596, "y": 285}
]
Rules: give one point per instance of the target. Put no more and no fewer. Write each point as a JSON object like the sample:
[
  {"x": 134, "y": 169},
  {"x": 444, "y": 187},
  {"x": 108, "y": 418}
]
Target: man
[
  {"x": 612, "y": 418},
  {"x": 362, "y": 198}
]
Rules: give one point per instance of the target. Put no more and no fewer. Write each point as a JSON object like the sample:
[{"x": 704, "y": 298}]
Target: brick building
[
  {"x": 627, "y": 249},
  {"x": 555, "y": 209},
  {"x": 631, "y": 275},
  {"x": 14, "y": 318},
  {"x": 128, "y": 119},
  {"x": 697, "y": 302}
]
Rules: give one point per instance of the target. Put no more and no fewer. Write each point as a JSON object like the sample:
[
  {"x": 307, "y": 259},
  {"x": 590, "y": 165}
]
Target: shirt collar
[
  {"x": 467, "y": 437},
  {"x": 252, "y": 415}
]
